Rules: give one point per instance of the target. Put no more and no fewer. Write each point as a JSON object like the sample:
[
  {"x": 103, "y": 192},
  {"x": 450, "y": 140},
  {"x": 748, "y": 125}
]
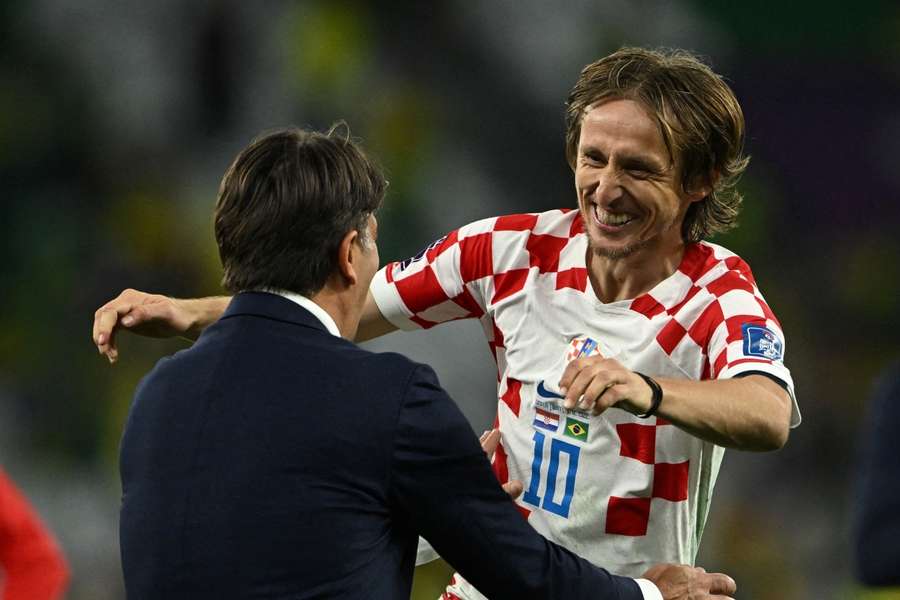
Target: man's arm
[
  {"x": 748, "y": 413},
  {"x": 442, "y": 483},
  {"x": 372, "y": 323},
  {"x": 153, "y": 315}
]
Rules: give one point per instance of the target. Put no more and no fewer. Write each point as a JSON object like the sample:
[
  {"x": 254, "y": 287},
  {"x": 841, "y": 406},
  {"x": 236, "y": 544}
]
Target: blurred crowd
[{"x": 119, "y": 118}]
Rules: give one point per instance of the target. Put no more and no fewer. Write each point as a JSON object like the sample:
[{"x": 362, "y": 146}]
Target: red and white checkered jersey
[{"x": 623, "y": 492}]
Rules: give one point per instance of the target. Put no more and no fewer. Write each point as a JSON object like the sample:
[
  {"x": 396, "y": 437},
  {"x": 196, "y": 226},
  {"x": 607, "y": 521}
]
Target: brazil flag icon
[{"x": 576, "y": 429}]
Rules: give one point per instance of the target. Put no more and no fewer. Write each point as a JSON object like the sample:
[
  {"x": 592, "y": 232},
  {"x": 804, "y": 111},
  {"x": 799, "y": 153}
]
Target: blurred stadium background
[{"x": 117, "y": 120}]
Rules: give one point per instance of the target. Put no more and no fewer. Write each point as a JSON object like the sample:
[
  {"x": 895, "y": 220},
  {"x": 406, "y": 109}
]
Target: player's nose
[{"x": 607, "y": 187}]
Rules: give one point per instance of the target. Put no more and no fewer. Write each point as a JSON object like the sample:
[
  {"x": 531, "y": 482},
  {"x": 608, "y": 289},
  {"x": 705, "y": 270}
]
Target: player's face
[{"x": 629, "y": 190}]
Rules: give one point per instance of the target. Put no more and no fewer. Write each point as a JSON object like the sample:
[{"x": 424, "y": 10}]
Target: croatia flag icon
[{"x": 546, "y": 419}]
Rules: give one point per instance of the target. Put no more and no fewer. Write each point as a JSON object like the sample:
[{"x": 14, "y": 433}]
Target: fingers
[
  {"x": 489, "y": 440},
  {"x": 581, "y": 377},
  {"x": 600, "y": 393},
  {"x": 568, "y": 376},
  {"x": 107, "y": 341},
  {"x": 587, "y": 383},
  {"x": 105, "y": 321},
  {"x": 653, "y": 572},
  {"x": 513, "y": 488},
  {"x": 125, "y": 309},
  {"x": 719, "y": 583}
]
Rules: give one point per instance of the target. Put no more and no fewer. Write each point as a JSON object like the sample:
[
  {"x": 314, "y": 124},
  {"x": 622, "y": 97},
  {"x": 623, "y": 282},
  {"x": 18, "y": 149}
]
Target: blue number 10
[{"x": 557, "y": 447}]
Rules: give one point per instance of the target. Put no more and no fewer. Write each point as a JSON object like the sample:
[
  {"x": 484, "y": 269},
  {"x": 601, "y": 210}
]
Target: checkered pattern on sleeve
[
  {"x": 706, "y": 305},
  {"x": 463, "y": 274}
]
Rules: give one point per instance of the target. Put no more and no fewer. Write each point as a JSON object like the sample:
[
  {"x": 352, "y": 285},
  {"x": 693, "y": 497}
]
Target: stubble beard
[
  {"x": 615, "y": 253},
  {"x": 618, "y": 253}
]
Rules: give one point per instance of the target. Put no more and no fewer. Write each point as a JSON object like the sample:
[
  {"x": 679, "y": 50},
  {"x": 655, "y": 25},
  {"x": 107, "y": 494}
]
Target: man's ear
[
  {"x": 701, "y": 187},
  {"x": 347, "y": 256}
]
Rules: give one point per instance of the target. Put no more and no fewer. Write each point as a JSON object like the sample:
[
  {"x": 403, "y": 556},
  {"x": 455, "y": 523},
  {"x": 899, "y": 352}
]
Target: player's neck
[{"x": 627, "y": 277}]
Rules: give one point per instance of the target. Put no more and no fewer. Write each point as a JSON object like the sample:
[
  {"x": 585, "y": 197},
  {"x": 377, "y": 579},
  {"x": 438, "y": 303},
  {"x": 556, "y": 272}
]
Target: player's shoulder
[
  {"x": 560, "y": 222},
  {"x": 716, "y": 269},
  {"x": 710, "y": 280}
]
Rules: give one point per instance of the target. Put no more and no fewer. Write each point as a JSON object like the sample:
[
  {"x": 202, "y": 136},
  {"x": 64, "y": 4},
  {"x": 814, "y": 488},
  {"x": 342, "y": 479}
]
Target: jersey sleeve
[
  {"x": 443, "y": 282},
  {"x": 745, "y": 335}
]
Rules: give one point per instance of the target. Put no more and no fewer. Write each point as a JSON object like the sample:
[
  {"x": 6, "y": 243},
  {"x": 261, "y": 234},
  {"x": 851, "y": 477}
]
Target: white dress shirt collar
[{"x": 317, "y": 311}]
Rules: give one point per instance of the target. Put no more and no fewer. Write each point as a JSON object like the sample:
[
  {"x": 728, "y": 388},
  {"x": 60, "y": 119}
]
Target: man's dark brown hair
[
  {"x": 698, "y": 115},
  {"x": 285, "y": 204}
]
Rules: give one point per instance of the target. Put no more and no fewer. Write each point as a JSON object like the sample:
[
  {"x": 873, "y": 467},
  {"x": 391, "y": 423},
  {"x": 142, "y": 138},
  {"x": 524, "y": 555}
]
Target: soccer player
[{"x": 630, "y": 352}]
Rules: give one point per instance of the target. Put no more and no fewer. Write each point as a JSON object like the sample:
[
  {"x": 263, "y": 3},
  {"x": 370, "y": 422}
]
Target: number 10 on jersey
[{"x": 558, "y": 448}]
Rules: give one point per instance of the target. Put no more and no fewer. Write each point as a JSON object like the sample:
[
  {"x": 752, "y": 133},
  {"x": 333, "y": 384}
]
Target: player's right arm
[
  {"x": 405, "y": 295},
  {"x": 441, "y": 283},
  {"x": 372, "y": 323},
  {"x": 154, "y": 315}
]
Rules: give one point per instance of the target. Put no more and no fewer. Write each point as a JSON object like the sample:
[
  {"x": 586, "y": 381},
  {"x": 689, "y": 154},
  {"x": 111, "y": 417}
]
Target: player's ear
[
  {"x": 701, "y": 186},
  {"x": 348, "y": 254}
]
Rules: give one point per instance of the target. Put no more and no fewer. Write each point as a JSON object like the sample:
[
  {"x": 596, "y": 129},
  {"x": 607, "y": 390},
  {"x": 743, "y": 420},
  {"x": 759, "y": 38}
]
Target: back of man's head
[{"x": 285, "y": 204}]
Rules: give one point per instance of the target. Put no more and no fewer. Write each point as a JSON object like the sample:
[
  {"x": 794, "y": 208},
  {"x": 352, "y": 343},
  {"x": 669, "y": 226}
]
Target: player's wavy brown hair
[{"x": 699, "y": 117}]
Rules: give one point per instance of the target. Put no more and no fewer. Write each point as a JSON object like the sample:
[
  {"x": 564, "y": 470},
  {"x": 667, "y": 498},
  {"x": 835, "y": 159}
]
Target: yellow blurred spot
[{"x": 326, "y": 45}]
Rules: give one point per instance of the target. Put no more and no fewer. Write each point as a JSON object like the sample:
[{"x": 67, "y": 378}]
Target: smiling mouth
[{"x": 609, "y": 220}]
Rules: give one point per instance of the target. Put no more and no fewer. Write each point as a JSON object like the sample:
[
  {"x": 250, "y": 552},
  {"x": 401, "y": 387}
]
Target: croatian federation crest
[{"x": 583, "y": 346}]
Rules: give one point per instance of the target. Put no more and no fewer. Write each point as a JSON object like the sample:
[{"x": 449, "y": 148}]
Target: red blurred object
[{"x": 32, "y": 562}]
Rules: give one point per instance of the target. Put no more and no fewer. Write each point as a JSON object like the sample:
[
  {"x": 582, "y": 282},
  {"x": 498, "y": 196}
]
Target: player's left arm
[{"x": 749, "y": 413}]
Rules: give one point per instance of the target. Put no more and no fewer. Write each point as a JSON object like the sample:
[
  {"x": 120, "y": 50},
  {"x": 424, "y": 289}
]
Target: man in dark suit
[
  {"x": 276, "y": 459},
  {"x": 876, "y": 495}
]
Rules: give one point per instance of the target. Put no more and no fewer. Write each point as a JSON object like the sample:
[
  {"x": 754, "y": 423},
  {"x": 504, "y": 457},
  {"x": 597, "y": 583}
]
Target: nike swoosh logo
[{"x": 545, "y": 393}]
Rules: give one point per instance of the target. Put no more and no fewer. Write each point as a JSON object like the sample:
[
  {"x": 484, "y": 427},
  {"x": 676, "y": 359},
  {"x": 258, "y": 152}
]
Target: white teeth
[{"x": 608, "y": 218}]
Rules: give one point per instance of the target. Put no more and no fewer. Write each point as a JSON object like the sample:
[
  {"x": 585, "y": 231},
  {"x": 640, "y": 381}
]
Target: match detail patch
[
  {"x": 545, "y": 419},
  {"x": 761, "y": 341},
  {"x": 575, "y": 429},
  {"x": 402, "y": 266}
]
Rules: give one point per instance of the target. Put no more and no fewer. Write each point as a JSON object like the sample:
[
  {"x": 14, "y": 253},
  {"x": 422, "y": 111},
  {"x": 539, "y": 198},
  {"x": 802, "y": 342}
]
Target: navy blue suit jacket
[
  {"x": 877, "y": 493},
  {"x": 274, "y": 460}
]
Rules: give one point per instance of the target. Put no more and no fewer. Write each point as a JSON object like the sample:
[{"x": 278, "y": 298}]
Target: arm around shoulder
[{"x": 153, "y": 315}]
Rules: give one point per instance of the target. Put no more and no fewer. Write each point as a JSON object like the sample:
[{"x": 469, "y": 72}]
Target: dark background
[{"x": 117, "y": 120}]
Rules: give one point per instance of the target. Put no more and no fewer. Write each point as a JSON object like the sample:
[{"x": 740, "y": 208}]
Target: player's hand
[
  {"x": 683, "y": 582},
  {"x": 146, "y": 314},
  {"x": 489, "y": 440},
  {"x": 595, "y": 383}
]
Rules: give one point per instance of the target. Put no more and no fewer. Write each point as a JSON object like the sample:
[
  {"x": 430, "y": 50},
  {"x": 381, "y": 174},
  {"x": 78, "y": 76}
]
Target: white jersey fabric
[{"x": 623, "y": 492}]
